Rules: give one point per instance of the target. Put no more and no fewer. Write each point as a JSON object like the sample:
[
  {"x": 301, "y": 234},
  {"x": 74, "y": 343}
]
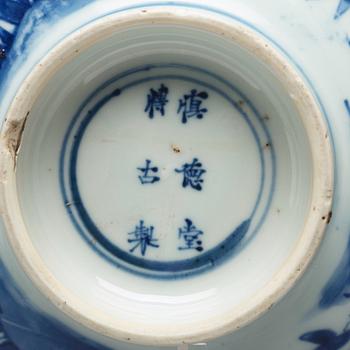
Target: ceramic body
[{"x": 310, "y": 312}]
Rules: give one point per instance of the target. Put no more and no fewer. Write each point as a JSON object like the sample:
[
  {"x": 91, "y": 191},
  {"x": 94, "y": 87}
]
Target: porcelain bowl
[{"x": 167, "y": 176}]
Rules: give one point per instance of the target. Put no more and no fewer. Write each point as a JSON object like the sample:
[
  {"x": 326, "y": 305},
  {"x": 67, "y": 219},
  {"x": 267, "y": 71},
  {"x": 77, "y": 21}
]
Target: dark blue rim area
[{"x": 105, "y": 248}]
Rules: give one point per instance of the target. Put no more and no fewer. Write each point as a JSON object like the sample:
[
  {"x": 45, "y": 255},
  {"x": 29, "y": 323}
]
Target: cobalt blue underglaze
[
  {"x": 347, "y": 105},
  {"x": 191, "y": 236},
  {"x": 338, "y": 287},
  {"x": 344, "y": 6},
  {"x": 148, "y": 173},
  {"x": 33, "y": 331},
  {"x": 12, "y": 13},
  {"x": 21, "y": 327},
  {"x": 192, "y": 174},
  {"x": 22, "y": 18},
  {"x": 156, "y": 101},
  {"x": 336, "y": 292},
  {"x": 142, "y": 237},
  {"x": 327, "y": 339},
  {"x": 99, "y": 242},
  {"x": 29, "y": 329},
  {"x": 190, "y": 105}
]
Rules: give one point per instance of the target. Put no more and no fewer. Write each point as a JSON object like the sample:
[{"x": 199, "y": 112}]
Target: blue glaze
[
  {"x": 11, "y": 12},
  {"x": 248, "y": 103},
  {"x": 347, "y": 106},
  {"x": 191, "y": 237},
  {"x": 5, "y": 342},
  {"x": 90, "y": 232},
  {"x": 170, "y": 269},
  {"x": 337, "y": 288},
  {"x": 70, "y": 7},
  {"x": 192, "y": 174},
  {"x": 190, "y": 105},
  {"x": 22, "y": 45},
  {"x": 218, "y": 11},
  {"x": 6, "y": 39},
  {"x": 29, "y": 329},
  {"x": 142, "y": 237},
  {"x": 327, "y": 339},
  {"x": 234, "y": 17},
  {"x": 335, "y": 292},
  {"x": 344, "y": 6},
  {"x": 146, "y": 178},
  {"x": 38, "y": 12},
  {"x": 156, "y": 101}
]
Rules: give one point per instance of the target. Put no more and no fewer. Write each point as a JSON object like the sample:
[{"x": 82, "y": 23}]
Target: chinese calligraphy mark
[
  {"x": 146, "y": 177},
  {"x": 192, "y": 174},
  {"x": 156, "y": 101},
  {"x": 191, "y": 236},
  {"x": 191, "y": 105},
  {"x": 142, "y": 237}
]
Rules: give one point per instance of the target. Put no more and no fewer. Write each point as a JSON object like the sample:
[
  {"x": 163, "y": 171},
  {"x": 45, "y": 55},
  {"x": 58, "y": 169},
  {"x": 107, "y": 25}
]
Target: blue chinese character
[
  {"x": 142, "y": 237},
  {"x": 146, "y": 178},
  {"x": 190, "y": 105},
  {"x": 192, "y": 174},
  {"x": 190, "y": 234},
  {"x": 156, "y": 101}
]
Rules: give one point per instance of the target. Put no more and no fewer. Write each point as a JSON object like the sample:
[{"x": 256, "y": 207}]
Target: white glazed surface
[
  {"x": 291, "y": 328},
  {"x": 105, "y": 298}
]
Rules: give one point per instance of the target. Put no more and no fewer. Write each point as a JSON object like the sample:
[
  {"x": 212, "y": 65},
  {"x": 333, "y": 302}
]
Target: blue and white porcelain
[{"x": 174, "y": 174}]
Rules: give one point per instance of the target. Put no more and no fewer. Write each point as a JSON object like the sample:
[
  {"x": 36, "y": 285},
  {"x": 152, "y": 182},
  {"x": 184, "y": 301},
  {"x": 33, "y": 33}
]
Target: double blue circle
[{"x": 97, "y": 239}]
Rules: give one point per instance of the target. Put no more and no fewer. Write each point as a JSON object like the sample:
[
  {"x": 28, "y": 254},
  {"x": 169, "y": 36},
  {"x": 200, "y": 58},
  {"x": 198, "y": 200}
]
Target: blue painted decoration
[
  {"x": 91, "y": 233},
  {"x": 12, "y": 13},
  {"x": 191, "y": 236},
  {"x": 142, "y": 237},
  {"x": 47, "y": 9},
  {"x": 146, "y": 178},
  {"x": 327, "y": 339},
  {"x": 338, "y": 287},
  {"x": 192, "y": 174},
  {"x": 344, "y": 6},
  {"x": 6, "y": 39},
  {"x": 54, "y": 341},
  {"x": 347, "y": 106},
  {"x": 5, "y": 342},
  {"x": 156, "y": 101},
  {"x": 190, "y": 105},
  {"x": 30, "y": 330}
]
